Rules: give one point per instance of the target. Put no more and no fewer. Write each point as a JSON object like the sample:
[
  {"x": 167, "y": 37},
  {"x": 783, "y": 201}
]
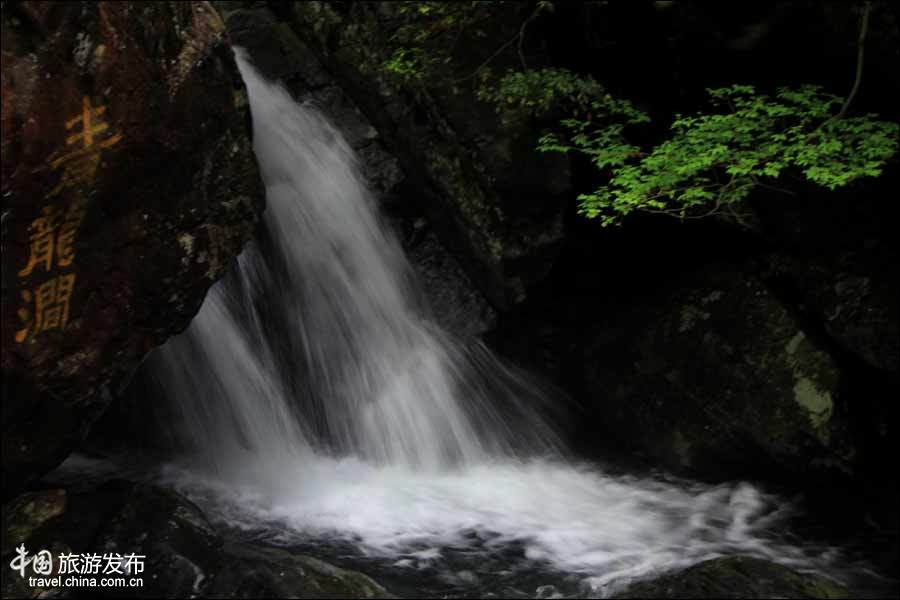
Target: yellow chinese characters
[
  {"x": 42, "y": 232},
  {"x": 81, "y": 164},
  {"x": 53, "y": 234},
  {"x": 51, "y": 306},
  {"x": 52, "y": 237}
]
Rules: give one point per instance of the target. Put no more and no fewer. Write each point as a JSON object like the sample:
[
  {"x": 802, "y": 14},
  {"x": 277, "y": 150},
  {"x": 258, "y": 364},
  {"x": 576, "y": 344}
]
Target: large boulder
[
  {"x": 182, "y": 553},
  {"x": 737, "y": 577},
  {"x": 837, "y": 260},
  {"x": 717, "y": 376},
  {"x": 128, "y": 185}
]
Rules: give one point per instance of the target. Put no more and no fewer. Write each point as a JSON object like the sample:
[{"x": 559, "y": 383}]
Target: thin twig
[
  {"x": 520, "y": 37},
  {"x": 525, "y": 23},
  {"x": 863, "y": 28},
  {"x": 860, "y": 49},
  {"x": 489, "y": 59},
  {"x": 771, "y": 187}
]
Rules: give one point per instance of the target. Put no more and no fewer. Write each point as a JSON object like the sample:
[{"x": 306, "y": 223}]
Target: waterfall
[
  {"x": 317, "y": 401},
  {"x": 319, "y": 339}
]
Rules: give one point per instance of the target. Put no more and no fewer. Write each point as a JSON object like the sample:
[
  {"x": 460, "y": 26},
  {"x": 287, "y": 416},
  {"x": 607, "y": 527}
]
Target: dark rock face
[
  {"x": 860, "y": 313},
  {"x": 129, "y": 184},
  {"x": 718, "y": 372},
  {"x": 838, "y": 263},
  {"x": 737, "y": 577},
  {"x": 453, "y": 301},
  {"x": 184, "y": 555}
]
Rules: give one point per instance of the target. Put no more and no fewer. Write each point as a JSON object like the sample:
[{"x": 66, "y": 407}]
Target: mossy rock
[{"x": 26, "y": 513}]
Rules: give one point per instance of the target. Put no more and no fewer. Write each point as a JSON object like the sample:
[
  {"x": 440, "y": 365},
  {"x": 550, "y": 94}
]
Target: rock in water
[
  {"x": 129, "y": 183},
  {"x": 737, "y": 577}
]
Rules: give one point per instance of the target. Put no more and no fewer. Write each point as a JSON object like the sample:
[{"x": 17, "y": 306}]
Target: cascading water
[
  {"x": 319, "y": 403},
  {"x": 321, "y": 316}
]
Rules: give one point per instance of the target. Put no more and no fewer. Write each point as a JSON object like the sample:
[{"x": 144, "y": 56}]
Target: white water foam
[{"x": 610, "y": 530}]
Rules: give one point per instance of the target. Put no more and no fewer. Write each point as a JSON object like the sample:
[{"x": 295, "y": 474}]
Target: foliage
[
  {"x": 423, "y": 32},
  {"x": 407, "y": 64},
  {"x": 712, "y": 161},
  {"x": 428, "y": 36},
  {"x": 538, "y": 91},
  {"x": 421, "y": 54}
]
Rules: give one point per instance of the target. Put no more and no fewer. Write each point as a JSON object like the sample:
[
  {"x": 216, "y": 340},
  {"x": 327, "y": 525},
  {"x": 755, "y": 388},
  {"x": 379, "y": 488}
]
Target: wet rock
[
  {"x": 737, "y": 577},
  {"x": 453, "y": 302},
  {"x": 717, "y": 377},
  {"x": 129, "y": 184},
  {"x": 183, "y": 555},
  {"x": 258, "y": 572}
]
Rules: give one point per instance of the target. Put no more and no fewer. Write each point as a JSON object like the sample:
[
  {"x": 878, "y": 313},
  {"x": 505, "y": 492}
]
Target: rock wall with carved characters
[{"x": 128, "y": 185}]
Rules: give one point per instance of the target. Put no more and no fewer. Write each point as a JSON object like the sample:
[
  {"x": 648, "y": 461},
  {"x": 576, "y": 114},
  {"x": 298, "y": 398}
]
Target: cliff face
[{"x": 129, "y": 184}]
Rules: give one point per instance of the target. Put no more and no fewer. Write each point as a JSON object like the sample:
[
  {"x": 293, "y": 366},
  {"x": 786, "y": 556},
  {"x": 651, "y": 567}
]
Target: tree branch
[
  {"x": 488, "y": 60},
  {"x": 521, "y": 43},
  {"x": 860, "y": 43},
  {"x": 519, "y": 37}
]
